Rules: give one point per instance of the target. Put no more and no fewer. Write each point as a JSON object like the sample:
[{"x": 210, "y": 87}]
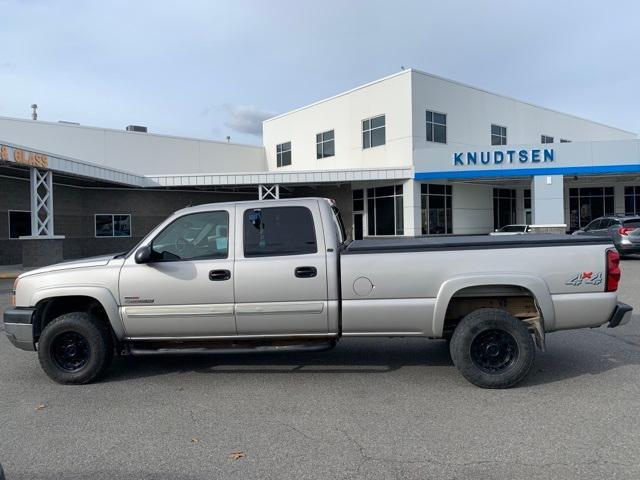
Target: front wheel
[
  {"x": 75, "y": 348},
  {"x": 492, "y": 349}
]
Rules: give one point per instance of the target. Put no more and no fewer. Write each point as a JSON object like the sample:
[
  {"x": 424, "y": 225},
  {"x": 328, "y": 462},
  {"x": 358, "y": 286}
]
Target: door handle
[
  {"x": 306, "y": 272},
  {"x": 219, "y": 275}
]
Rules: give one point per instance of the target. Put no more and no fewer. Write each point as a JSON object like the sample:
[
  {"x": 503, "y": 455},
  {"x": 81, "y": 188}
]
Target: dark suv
[{"x": 619, "y": 229}]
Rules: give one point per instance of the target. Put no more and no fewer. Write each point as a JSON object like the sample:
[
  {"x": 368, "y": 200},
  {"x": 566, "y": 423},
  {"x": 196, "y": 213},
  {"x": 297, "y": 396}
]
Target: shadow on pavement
[
  {"x": 362, "y": 356},
  {"x": 569, "y": 355}
]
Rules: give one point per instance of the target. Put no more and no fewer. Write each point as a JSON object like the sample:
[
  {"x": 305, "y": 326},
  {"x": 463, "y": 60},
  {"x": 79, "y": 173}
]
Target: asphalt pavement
[{"x": 370, "y": 408}]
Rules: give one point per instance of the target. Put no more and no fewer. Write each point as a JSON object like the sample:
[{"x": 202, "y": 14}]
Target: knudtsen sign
[{"x": 503, "y": 157}]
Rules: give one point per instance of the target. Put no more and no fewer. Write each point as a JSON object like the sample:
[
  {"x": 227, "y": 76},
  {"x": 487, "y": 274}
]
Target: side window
[
  {"x": 607, "y": 222},
  {"x": 593, "y": 225},
  {"x": 278, "y": 231},
  {"x": 193, "y": 237}
]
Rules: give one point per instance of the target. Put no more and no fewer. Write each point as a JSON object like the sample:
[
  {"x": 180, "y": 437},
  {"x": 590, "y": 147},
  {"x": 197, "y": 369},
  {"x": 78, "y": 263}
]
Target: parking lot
[{"x": 370, "y": 408}]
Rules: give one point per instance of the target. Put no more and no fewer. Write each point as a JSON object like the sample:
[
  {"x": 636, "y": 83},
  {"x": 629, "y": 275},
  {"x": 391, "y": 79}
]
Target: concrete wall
[
  {"x": 344, "y": 114},
  {"x": 14, "y": 195},
  {"x": 547, "y": 199},
  {"x": 142, "y": 153},
  {"x": 472, "y": 209}
]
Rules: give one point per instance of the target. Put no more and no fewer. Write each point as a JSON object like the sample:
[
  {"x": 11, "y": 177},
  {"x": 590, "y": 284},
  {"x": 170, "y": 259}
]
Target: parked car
[
  {"x": 512, "y": 230},
  {"x": 618, "y": 229},
  {"x": 285, "y": 278}
]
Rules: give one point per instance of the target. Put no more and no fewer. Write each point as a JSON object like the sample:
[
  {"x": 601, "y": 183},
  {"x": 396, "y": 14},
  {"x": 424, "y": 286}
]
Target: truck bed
[{"x": 469, "y": 242}]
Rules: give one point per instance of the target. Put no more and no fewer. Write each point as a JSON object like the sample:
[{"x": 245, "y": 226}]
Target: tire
[
  {"x": 492, "y": 349},
  {"x": 75, "y": 348}
]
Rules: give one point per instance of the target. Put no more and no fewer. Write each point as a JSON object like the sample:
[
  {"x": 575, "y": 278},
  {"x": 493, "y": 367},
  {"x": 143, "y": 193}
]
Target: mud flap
[{"x": 538, "y": 331}]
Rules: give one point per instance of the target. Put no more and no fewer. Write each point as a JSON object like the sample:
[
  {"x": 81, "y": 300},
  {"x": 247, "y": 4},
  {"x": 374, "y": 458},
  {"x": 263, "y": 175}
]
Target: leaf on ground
[
  {"x": 236, "y": 455},
  {"x": 195, "y": 440},
  {"x": 42, "y": 406}
]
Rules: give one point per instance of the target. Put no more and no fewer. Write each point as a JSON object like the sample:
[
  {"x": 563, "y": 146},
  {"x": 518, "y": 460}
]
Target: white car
[{"x": 512, "y": 230}]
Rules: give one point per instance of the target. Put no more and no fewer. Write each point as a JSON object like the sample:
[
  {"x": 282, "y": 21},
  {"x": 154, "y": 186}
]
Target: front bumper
[
  {"x": 621, "y": 315},
  {"x": 18, "y": 325}
]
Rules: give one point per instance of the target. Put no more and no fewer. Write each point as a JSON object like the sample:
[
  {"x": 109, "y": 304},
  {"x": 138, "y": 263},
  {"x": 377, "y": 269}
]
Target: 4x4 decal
[{"x": 585, "y": 278}]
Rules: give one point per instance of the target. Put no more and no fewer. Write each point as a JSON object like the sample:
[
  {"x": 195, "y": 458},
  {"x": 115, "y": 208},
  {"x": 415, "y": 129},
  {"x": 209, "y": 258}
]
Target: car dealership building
[{"x": 409, "y": 154}]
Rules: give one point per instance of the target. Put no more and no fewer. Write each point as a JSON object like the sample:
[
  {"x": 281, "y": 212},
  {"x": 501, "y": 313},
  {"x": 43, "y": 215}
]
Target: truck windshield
[{"x": 338, "y": 219}]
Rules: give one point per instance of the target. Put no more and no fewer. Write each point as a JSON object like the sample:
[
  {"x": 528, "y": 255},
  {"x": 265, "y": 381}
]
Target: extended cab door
[
  {"x": 280, "y": 270},
  {"x": 186, "y": 290}
]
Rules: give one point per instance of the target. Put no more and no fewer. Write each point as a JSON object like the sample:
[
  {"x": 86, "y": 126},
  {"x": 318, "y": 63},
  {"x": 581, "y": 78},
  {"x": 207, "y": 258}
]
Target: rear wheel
[
  {"x": 492, "y": 349},
  {"x": 75, "y": 348}
]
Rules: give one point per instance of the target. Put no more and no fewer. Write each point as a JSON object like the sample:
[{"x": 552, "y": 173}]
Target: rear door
[{"x": 280, "y": 270}]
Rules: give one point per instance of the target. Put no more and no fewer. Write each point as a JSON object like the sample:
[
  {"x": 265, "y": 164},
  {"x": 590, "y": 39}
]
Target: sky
[{"x": 212, "y": 69}]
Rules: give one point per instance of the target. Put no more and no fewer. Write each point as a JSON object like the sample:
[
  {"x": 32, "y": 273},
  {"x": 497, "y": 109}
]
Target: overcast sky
[{"x": 215, "y": 68}]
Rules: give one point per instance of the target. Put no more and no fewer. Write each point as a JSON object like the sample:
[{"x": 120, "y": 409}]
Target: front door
[
  {"x": 187, "y": 288},
  {"x": 280, "y": 271}
]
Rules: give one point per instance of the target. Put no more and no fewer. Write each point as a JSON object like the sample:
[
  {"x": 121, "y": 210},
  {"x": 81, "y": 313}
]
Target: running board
[{"x": 188, "y": 350}]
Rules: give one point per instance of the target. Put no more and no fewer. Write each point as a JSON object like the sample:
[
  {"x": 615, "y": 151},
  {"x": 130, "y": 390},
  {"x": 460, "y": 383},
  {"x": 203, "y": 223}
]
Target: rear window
[
  {"x": 632, "y": 222},
  {"x": 279, "y": 231}
]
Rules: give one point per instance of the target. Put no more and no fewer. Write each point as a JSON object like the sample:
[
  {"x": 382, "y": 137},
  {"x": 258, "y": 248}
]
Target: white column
[
  {"x": 547, "y": 198},
  {"x": 411, "y": 202}
]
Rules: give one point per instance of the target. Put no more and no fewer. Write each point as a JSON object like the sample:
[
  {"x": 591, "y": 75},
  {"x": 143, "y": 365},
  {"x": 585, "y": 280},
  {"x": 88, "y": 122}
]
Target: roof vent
[{"x": 136, "y": 128}]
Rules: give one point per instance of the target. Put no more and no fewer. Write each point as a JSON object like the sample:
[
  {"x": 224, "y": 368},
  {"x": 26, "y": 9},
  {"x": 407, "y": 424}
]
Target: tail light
[
  {"x": 613, "y": 270},
  {"x": 625, "y": 230}
]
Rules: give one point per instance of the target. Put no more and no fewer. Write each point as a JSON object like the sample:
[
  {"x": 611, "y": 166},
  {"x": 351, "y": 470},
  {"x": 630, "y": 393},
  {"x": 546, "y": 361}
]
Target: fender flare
[
  {"x": 535, "y": 285},
  {"x": 101, "y": 294}
]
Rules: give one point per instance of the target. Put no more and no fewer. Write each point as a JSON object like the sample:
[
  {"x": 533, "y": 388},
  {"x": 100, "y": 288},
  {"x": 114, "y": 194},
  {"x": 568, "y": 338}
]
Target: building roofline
[
  {"x": 507, "y": 97},
  {"x": 383, "y": 79},
  {"x": 455, "y": 82},
  {"x": 152, "y": 134}
]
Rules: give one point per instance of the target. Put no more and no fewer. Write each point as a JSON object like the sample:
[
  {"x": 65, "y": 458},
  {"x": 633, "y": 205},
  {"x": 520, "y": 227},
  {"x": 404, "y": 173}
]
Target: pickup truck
[{"x": 280, "y": 275}]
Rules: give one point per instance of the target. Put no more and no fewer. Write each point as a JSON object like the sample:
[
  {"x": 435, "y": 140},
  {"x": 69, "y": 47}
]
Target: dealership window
[
  {"x": 586, "y": 204},
  {"x": 564, "y": 140},
  {"x": 436, "y": 127},
  {"x": 546, "y": 139},
  {"x": 325, "y": 146},
  {"x": 504, "y": 207},
  {"x": 108, "y": 225},
  {"x": 373, "y": 132},
  {"x": 632, "y": 200},
  {"x": 358, "y": 200},
  {"x": 19, "y": 223},
  {"x": 436, "y": 209},
  {"x": 527, "y": 206},
  {"x": 283, "y": 154},
  {"x": 498, "y": 135},
  {"x": 384, "y": 210},
  {"x": 279, "y": 231},
  {"x": 358, "y": 214}
]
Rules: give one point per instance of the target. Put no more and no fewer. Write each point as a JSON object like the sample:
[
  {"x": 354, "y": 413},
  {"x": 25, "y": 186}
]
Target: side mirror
[{"x": 143, "y": 255}]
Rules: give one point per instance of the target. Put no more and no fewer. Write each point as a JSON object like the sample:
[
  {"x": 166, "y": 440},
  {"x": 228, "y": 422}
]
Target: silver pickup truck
[{"x": 280, "y": 275}]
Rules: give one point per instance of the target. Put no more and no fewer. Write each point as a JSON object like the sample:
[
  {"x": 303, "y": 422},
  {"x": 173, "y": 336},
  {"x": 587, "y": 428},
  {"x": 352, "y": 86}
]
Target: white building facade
[
  {"x": 478, "y": 160},
  {"x": 409, "y": 154}
]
